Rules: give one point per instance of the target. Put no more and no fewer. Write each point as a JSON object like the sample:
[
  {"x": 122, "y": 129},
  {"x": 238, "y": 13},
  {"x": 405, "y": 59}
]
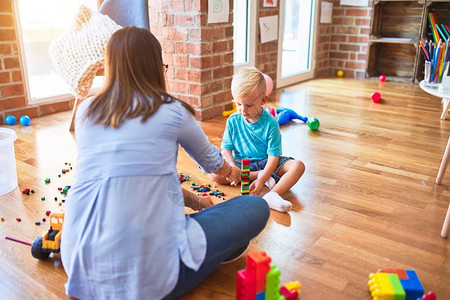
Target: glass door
[
  {"x": 244, "y": 35},
  {"x": 296, "y": 41}
]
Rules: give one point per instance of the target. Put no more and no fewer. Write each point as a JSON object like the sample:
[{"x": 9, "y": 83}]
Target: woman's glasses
[{"x": 166, "y": 67}]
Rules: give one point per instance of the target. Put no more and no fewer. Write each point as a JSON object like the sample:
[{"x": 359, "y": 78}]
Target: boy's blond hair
[{"x": 248, "y": 82}]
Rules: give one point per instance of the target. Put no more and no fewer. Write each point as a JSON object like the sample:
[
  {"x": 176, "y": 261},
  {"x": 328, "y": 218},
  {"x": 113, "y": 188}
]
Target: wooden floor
[{"x": 368, "y": 199}]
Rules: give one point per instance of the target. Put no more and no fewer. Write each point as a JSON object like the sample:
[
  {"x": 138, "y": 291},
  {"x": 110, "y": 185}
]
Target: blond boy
[{"x": 251, "y": 132}]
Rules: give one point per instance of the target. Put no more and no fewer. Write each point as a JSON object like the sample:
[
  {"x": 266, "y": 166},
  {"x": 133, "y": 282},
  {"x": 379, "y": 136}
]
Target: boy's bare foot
[{"x": 276, "y": 202}]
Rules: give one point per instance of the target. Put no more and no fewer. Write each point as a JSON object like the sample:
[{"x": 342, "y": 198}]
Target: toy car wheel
[{"x": 36, "y": 249}]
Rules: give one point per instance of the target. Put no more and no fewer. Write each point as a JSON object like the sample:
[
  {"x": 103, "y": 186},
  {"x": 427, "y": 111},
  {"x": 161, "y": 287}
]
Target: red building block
[
  {"x": 258, "y": 264},
  {"x": 400, "y": 272},
  {"x": 289, "y": 295},
  {"x": 245, "y": 286}
]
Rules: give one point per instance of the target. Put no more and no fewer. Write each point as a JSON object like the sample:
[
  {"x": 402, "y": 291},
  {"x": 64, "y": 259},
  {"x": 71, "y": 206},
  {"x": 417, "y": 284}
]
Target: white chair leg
[
  {"x": 446, "y": 227},
  {"x": 444, "y": 163},
  {"x": 445, "y": 107}
]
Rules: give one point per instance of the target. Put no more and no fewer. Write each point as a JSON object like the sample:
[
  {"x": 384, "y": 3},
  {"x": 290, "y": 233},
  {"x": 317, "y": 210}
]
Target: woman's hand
[
  {"x": 201, "y": 202},
  {"x": 235, "y": 175},
  {"x": 205, "y": 202},
  {"x": 256, "y": 187}
]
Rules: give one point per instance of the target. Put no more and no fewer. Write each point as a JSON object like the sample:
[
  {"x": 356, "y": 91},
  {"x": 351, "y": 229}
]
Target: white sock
[
  {"x": 276, "y": 202},
  {"x": 270, "y": 183}
]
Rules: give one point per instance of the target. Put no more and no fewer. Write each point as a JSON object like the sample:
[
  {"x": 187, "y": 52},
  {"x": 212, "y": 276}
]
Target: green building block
[
  {"x": 399, "y": 292},
  {"x": 273, "y": 284}
]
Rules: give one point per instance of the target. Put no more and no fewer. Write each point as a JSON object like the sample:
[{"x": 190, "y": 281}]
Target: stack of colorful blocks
[
  {"x": 245, "y": 176},
  {"x": 395, "y": 284},
  {"x": 260, "y": 280}
]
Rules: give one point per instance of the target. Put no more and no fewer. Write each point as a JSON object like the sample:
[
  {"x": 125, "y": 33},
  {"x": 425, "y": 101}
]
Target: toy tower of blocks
[
  {"x": 245, "y": 176},
  {"x": 395, "y": 284},
  {"x": 260, "y": 280}
]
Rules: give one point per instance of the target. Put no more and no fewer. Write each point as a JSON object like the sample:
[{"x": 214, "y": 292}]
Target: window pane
[
  {"x": 241, "y": 31},
  {"x": 41, "y": 22},
  {"x": 297, "y": 38}
]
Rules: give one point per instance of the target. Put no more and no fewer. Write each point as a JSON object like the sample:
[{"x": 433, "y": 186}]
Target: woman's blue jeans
[{"x": 228, "y": 226}]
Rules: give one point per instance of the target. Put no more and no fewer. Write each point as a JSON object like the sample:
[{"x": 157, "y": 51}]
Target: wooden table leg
[
  {"x": 446, "y": 227},
  {"x": 445, "y": 107},
  {"x": 444, "y": 163}
]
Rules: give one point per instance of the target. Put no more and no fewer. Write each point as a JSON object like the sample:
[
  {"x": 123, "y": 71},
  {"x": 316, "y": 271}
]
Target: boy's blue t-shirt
[{"x": 252, "y": 140}]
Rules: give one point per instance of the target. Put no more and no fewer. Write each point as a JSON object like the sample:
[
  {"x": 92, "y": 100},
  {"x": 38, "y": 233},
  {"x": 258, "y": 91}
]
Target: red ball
[
  {"x": 376, "y": 97},
  {"x": 382, "y": 78}
]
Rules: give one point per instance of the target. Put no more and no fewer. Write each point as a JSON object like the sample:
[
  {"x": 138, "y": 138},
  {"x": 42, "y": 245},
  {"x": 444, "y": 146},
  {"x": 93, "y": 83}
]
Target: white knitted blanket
[{"x": 79, "y": 52}]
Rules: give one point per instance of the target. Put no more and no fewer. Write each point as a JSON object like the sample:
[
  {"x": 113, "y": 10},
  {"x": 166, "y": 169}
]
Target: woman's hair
[
  {"x": 134, "y": 79},
  {"x": 248, "y": 82}
]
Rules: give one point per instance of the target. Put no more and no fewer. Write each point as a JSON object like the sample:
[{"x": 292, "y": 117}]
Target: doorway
[{"x": 296, "y": 41}]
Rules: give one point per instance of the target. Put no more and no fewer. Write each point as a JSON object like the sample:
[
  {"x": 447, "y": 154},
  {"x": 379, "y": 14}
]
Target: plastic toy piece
[
  {"x": 412, "y": 285},
  {"x": 340, "y": 73},
  {"x": 285, "y": 115},
  {"x": 269, "y": 84},
  {"x": 376, "y": 97},
  {"x": 227, "y": 113},
  {"x": 293, "y": 285},
  {"x": 261, "y": 296},
  {"x": 10, "y": 120},
  {"x": 382, "y": 78},
  {"x": 400, "y": 272},
  {"x": 25, "y": 120},
  {"x": 47, "y": 180},
  {"x": 380, "y": 287},
  {"x": 16, "y": 240},
  {"x": 313, "y": 124},
  {"x": 258, "y": 263},
  {"x": 399, "y": 292},
  {"x": 273, "y": 281},
  {"x": 271, "y": 111},
  {"x": 50, "y": 240},
  {"x": 245, "y": 285},
  {"x": 245, "y": 176},
  {"x": 289, "y": 295},
  {"x": 65, "y": 189},
  {"x": 429, "y": 296}
]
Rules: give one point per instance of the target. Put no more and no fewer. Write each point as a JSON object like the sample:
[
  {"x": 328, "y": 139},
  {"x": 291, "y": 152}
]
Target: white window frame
[
  {"x": 282, "y": 82},
  {"x": 251, "y": 48}
]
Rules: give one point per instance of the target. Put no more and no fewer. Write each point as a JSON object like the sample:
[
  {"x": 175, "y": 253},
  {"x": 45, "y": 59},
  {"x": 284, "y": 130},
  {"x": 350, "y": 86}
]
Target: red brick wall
[
  {"x": 13, "y": 99},
  {"x": 200, "y": 55},
  {"x": 267, "y": 53},
  {"x": 322, "y": 50},
  {"x": 349, "y": 37}
]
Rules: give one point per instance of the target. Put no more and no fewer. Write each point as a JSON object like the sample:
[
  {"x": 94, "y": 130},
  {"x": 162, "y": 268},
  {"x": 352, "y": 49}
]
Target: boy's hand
[
  {"x": 256, "y": 187},
  {"x": 235, "y": 176}
]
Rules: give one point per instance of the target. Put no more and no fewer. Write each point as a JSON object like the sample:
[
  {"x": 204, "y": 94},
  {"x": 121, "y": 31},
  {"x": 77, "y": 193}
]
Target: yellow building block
[{"x": 380, "y": 287}]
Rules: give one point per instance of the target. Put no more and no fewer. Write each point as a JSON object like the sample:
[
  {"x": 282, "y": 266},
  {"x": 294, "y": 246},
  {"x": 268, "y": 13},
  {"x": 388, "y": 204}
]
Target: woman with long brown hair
[{"x": 125, "y": 233}]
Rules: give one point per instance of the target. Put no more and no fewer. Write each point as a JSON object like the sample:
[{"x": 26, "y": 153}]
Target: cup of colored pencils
[{"x": 436, "y": 57}]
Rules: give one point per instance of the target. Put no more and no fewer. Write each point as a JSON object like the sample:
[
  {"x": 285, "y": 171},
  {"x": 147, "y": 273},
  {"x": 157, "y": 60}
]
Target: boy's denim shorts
[{"x": 259, "y": 165}]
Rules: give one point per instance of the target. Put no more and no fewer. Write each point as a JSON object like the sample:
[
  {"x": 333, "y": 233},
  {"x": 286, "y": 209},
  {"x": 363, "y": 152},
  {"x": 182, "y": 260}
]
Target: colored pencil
[
  {"x": 424, "y": 51},
  {"x": 16, "y": 240},
  {"x": 442, "y": 34}
]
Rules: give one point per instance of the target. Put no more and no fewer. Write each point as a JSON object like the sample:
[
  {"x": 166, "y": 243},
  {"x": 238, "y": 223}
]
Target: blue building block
[
  {"x": 412, "y": 286},
  {"x": 261, "y": 296}
]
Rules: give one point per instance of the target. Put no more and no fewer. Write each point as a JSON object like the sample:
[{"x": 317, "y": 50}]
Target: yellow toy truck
[{"x": 50, "y": 240}]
